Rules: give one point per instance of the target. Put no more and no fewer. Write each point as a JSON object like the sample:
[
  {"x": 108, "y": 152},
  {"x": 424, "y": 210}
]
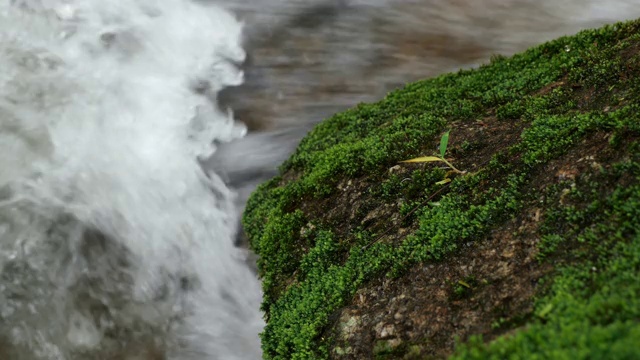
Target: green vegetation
[
  {"x": 592, "y": 308},
  {"x": 444, "y": 141},
  {"x": 557, "y": 98}
]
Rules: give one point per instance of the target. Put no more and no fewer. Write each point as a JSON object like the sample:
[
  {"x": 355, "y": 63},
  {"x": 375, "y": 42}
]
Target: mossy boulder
[{"x": 534, "y": 252}]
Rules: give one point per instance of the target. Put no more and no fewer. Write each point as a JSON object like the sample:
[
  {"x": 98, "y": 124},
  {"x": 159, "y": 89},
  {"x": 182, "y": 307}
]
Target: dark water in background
[{"x": 310, "y": 59}]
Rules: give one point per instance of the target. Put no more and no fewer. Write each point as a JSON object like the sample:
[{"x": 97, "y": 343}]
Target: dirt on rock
[
  {"x": 487, "y": 287},
  {"x": 426, "y": 310}
]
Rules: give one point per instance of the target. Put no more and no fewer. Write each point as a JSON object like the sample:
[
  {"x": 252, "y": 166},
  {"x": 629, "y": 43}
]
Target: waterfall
[{"x": 114, "y": 243}]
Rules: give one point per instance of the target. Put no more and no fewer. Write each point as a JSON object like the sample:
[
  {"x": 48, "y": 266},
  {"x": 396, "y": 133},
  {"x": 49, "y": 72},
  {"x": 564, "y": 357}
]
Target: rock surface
[{"x": 533, "y": 251}]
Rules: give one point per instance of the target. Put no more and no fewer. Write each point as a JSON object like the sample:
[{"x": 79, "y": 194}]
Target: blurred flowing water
[
  {"x": 117, "y": 226},
  {"x": 114, "y": 243}
]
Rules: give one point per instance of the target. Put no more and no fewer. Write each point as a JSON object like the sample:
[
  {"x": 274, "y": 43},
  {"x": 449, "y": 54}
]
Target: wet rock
[{"x": 349, "y": 325}]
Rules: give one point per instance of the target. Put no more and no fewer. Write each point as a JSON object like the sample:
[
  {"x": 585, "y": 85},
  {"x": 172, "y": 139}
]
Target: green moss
[
  {"x": 414, "y": 186},
  {"x": 305, "y": 281},
  {"x": 593, "y": 306}
]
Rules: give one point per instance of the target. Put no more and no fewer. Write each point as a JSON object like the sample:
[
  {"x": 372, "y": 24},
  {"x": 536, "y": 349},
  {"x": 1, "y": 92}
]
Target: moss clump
[
  {"x": 551, "y": 99},
  {"x": 592, "y": 308}
]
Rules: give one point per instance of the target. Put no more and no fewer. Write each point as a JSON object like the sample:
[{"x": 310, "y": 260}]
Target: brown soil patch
[
  {"x": 484, "y": 138},
  {"x": 425, "y": 309},
  {"x": 487, "y": 288},
  {"x": 421, "y": 314}
]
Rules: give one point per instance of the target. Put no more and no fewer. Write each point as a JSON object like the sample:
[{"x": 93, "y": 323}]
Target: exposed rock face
[{"x": 534, "y": 247}]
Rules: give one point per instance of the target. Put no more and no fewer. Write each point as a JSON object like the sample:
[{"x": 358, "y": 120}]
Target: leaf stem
[{"x": 452, "y": 167}]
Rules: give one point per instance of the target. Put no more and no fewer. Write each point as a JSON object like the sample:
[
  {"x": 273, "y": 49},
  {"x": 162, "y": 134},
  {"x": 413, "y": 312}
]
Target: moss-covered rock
[{"x": 533, "y": 252}]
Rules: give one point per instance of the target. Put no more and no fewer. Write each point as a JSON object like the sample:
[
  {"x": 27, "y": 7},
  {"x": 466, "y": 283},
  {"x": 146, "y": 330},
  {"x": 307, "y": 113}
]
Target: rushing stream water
[{"x": 114, "y": 242}]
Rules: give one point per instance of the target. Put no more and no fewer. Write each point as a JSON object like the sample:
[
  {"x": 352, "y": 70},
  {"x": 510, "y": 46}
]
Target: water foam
[{"x": 113, "y": 241}]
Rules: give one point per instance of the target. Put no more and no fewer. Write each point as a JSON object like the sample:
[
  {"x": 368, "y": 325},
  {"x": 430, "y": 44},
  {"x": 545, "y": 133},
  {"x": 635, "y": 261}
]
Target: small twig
[{"x": 406, "y": 216}]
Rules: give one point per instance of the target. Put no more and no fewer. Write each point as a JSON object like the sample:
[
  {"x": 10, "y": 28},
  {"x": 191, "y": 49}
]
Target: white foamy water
[{"x": 113, "y": 241}]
